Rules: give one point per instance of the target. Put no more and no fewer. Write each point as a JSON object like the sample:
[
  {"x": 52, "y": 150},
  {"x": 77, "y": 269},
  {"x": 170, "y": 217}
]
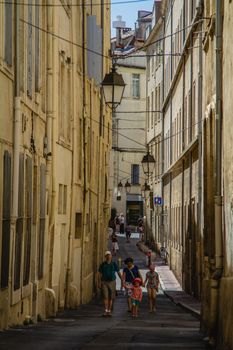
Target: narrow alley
[{"x": 171, "y": 327}]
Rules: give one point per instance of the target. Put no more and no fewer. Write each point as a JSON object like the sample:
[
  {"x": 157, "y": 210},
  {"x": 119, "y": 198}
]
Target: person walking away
[
  {"x": 115, "y": 246},
  {"x": 152, "y": 285},
  {"x": 128, "y": 234},
  {"x": 148, "y": 258},
  {"x": 107, "y": 281},
  {"x": 117, "y": 223},
  {"x": 136, "y": 295},
  {"x": 122, "y": 224},
  {"x": 130, "y": 272}
]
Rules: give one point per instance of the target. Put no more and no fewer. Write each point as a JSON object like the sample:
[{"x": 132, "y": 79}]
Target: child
[
  {"x": 152, "y": 284},
  {"x": 136, "y": 296},
  {"x": 115, "y": 246}
]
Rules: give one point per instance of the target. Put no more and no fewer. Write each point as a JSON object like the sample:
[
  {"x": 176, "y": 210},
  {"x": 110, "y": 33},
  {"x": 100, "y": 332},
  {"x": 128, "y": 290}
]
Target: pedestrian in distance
[
  {"x": 148, "y": 258},
  {"x": 128, "y": 234},
  {"x": 152, "y": 285},
  {"x": 122, "y": 224},
  {"x": 136, "y": 295},
  {"x": 115, "y": 246},
  {"x": 130, "y": 272},
  {"x": 107, "y": 281},
  {"x": 117, "y": 223}
]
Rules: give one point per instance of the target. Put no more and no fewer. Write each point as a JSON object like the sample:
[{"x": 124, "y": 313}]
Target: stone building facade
[
  {"x": 129, "y": 121},
  {"x": 196, "y": 155},
  {"x": 175, "y": 126},
  {"x": 153, "y": 46},
  {"x": 54, "y": 148}
]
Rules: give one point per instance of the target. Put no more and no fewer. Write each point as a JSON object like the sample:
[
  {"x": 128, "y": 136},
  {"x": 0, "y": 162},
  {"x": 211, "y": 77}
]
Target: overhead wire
[
  {"x": 101, "y": 54},
  {"x": 71, "y": 5}
]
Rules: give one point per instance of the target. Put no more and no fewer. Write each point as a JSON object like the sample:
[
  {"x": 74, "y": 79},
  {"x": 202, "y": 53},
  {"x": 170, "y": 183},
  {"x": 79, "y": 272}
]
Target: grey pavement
[{"x": 171, "y": 327}]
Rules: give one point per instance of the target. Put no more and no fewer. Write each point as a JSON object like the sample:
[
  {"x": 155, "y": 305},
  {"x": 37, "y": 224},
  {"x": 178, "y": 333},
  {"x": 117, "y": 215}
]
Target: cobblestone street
[{"x": 171, "y": 327}]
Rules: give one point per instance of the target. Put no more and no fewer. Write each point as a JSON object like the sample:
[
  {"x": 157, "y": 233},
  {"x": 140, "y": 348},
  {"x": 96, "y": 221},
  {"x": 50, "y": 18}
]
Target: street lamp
[
  {"x": 127, "y": 187},
  {"x": 145, "y": 190},
  {"x": 148, "y": 164},
  {"x": 119, "y": 187},
  {"x": 113, "y": 88}
]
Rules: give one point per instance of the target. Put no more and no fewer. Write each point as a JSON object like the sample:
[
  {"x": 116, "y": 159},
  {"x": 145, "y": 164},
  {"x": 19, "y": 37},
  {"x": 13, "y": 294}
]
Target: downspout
[
  {"x": 171, "y": 146},
  {"x": 74, "y": 150},
  {"x": 50, "y": 176},
  {"x": 84, "y": 147},
  {"x": 216, "y": 277},
  {"x": 163, "y": 238},
  {"x": 16, "y": 141},
  {"x": 190, "y": 136},
  {"x": 199, "y": 213},
  {"x": 184, "y": 268},
  {"x": 17, "y": 119}
]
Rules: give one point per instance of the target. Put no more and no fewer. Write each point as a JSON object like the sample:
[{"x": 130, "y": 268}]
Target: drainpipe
[
  {"x": 216, "y": 277},
  {"x": 16, "y": 140},
  {"x": 199, "y": 213},
  {"x": 84, "y": 149},
  {"x": 163, "y": 238},
  {"x": 171, "y": 146},
  {"x": 74, "y": 150},
  {"x": 17, "y": 114},
  {"x": 50, "y": 173}
]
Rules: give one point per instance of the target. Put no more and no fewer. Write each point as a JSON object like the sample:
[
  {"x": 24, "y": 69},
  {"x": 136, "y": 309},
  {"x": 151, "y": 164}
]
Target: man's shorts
[
  {"x": 135, "y": 302},
  {"x": 109, "y": 289}
]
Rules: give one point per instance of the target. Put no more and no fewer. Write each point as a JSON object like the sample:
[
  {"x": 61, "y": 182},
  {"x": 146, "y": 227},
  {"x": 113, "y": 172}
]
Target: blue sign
[{"x": 158, "y": 201}]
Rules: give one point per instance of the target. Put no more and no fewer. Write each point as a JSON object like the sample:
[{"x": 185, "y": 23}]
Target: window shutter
[
  {"x": 42, "y": 221},
  {"x": 37, "y": 46},
  {"x": 19, "y": 225},
  {"x": 8, "y": 33},
  {"x": 6, "y": 219},
  {"x": 29, "y": 54}
]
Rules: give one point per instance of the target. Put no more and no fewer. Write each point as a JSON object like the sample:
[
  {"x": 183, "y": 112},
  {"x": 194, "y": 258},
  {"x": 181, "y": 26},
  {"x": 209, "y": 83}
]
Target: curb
[{"x": 184, "y": 306}]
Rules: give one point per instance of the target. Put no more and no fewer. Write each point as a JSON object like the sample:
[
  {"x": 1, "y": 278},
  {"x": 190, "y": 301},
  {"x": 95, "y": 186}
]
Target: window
[
  {"x": 8, "y": 33},
  {"x": 135, "y": 174},
  {"x": 78, "y": 225},
  {"x": 136, "y": 85},
  {"x": 62, "y": 199},
  {"x": 6, "y": 216},
  {"x": 193, "y": 110},
  {"x": 152, "y": 110}
]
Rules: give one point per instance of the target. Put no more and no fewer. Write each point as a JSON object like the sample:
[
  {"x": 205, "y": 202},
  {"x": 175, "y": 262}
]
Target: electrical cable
[
  {"x": 71, "y": 5},
  {"x": 100, "y": 54},
  {"x": 64, "y": 39},
  {"x": 166, "y": 37}
]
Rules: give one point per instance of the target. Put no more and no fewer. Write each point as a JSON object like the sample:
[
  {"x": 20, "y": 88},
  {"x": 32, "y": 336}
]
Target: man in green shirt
[{"x": 107, "y": 281}]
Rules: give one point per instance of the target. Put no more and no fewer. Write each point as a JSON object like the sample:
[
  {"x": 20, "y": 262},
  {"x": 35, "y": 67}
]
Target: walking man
[{"x": 107, "y": 281}]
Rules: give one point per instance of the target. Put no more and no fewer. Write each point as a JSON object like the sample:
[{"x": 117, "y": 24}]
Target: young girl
[
  {"x": 136, "y": 296},
  {"x": 152, "y": 284}
]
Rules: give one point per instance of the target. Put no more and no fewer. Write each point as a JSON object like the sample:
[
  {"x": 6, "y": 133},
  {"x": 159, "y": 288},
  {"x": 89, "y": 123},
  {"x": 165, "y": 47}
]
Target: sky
[{"x": 128, "y": 11}]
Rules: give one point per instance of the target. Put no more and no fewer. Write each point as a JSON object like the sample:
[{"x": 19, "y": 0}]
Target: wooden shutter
[
  {"x": 6, "y": 215},
  {"x": 42, "y": 221},
  {"x": 19, "y": 225},
  {"x": 27, "y": 239},
  {"x": 29, "y": 53},
  {"x": 8, "y": 33}
]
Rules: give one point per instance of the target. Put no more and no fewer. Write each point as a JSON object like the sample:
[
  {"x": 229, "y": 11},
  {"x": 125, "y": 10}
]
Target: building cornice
[{"x": 187, "y": 150}]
